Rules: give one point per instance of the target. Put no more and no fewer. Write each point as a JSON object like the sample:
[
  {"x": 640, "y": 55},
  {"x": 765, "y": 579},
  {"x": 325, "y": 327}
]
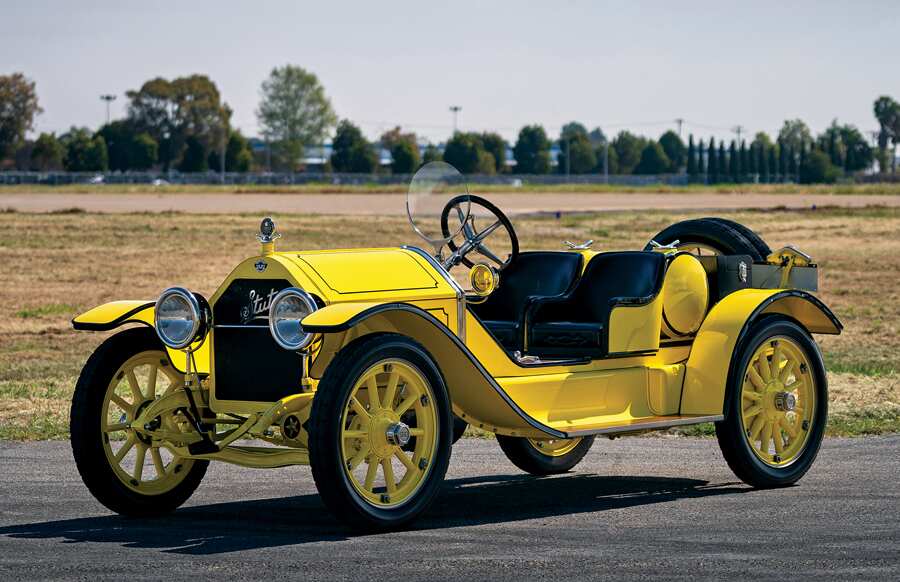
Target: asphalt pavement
[{"x": 648, "y": 508}]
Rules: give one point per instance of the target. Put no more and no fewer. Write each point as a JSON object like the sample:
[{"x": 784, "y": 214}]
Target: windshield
[{"x": 431, "y": 189}]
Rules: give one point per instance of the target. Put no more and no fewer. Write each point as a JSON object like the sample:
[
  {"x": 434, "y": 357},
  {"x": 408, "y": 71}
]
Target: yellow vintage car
[{"x": 368, "y": 364}]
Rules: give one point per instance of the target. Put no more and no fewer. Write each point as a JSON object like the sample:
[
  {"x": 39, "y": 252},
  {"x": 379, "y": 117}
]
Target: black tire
[
  {"x": 525, "y": 456},
  {"x": 459, "y": 428},
  {"x": 325, "y": 458},
  {"x": 709, "y": 232},
  {"x": 730, "y": 431},
  {"x": 748, "y": 234},
  {"x": 87, "y": 438}
]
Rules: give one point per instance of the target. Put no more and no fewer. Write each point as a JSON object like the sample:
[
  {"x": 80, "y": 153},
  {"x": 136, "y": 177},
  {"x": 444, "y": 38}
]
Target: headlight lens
[
  {"x": 178, "y": 317},
  {"x": 288, "y": 309}
]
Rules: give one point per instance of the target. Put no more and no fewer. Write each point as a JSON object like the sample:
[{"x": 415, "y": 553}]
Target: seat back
[
  {"x": 630, "y": 275},
  {"x": 537, "y": 273}
]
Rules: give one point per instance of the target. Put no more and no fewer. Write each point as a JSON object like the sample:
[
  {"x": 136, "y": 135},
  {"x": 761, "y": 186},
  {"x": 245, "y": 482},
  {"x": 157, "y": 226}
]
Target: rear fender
[
  {"x": 476, "y": 396},
  {"x": 723, "y": 331},
  {"x": 115, "y": 314}
]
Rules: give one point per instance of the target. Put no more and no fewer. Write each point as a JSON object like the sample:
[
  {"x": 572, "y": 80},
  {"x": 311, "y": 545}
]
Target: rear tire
[
  {"x": 545, "y": 457},
  {"x": 708, "y": 234},
  {"x": 754, "y": 420}
]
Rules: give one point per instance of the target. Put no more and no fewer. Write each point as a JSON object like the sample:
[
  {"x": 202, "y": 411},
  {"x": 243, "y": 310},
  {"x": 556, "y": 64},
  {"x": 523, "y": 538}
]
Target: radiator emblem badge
[
  {"x": 257, "y": 307},
  {"x": 261, "y": 265}
]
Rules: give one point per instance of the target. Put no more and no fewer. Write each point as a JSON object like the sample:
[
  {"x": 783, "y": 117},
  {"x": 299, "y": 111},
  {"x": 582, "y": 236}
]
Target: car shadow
[{"x": 243, "y": 525}]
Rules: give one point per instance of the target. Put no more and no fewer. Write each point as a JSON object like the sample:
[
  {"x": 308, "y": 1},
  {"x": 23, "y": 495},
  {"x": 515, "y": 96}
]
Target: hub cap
[
  {"x": 778, "y": 401},
  {"x": 555, "y": 447}
]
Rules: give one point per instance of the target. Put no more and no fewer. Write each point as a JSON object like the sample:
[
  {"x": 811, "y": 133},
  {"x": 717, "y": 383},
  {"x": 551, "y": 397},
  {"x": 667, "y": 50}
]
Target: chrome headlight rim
[
  {"x": 311, "y": 305},
  {"x": 196, "y": 315}
]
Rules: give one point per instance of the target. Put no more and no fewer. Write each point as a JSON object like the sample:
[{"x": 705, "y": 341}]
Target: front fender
[
  {"x": 475, "y": 395},
  {"x": 115, "y": 314},
  {"x": 726, "y": 325}
]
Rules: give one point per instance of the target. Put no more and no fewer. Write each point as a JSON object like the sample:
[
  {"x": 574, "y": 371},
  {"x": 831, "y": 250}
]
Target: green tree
[
  {"x": 195, "y": 157},
  {"x": 746, "y": 165},
  {"x": 722, "y": 162},
  {"x": 465, "y": 151},
  {"x": 173, "y": 111},
  {"x": 887, "y": 112},
  {"x": 674, "y": 148},
  {"x": 772, "y": 165},
  {"x": 795, "y": 135},
  {"x": 351, "y": 152},
  {"x": 576, "y": 156},
  {"x": 47, "y": 153},
  {"x": 432, "y": 154},
  {"x": 712, "y": 162},
  {"x": 691, "y": 157},
  {"x": 18, "y": 108},
  {"x": 238, "y": 155},
  {"x": 405, "y": 157},
  {"x": 84, "y": 152},
  {"x": 628, "y": 150},
  {"x": 127, "y": 148},
  {"x": 495, "y": 145},
  {"x": 734, "y": 163},
  {"x": 817, "y": 168},
  {"x": 597, "y": 137},
  {"x": 653, "y": 160},
  {"x": 294, "y": 111},
  {"x": 581, "y": 159},
  {"x": 532, "y": 151},
  {"x": 605, "y": 153}
]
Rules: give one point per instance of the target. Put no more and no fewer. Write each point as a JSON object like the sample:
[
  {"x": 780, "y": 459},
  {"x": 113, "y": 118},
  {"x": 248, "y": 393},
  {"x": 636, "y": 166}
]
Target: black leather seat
[
  {"x": 537, "y": 274},
  {"x": 576, "y": 323}
]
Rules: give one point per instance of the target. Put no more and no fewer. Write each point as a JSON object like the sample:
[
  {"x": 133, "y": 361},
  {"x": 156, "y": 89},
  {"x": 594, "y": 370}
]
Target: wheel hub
[
  {"x": 398, "y": 434},
  {"x": 785, "y": 401}
]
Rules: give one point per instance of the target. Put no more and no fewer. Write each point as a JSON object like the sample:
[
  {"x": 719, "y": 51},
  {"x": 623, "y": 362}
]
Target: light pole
[
  {"x": 455, "y": 109},
  {"x": 108, "y": 98},
  {"x": 679, "y": 122}
]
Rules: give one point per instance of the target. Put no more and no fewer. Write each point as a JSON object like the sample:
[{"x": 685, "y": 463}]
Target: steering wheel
[{"x": 474, "y": 239}]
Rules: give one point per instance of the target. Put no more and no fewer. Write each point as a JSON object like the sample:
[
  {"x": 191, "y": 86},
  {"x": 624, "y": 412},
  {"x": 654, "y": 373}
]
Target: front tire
[
  {"x": 380, "y": 432},
  {"x": 130, "y": 474},
  {"x": 776, "y": 407},
  {"x": 547, "y": 456}
]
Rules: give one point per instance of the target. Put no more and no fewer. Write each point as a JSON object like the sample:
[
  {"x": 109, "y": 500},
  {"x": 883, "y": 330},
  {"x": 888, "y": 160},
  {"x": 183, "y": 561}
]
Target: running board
[{"x": 641, "y": 424}]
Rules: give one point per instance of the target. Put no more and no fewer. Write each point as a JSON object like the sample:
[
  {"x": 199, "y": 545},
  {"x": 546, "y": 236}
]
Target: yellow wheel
[
  {"x": 778, "y": 401},
  {"x": 389, "y": 432},
  {"x": 380, "y": 432},
  {"x": 125, "y": 470},
  {"x": 777, "y": 407},
  {"x": 555, "y": 447},
  {"x": 545, "y": 456}
]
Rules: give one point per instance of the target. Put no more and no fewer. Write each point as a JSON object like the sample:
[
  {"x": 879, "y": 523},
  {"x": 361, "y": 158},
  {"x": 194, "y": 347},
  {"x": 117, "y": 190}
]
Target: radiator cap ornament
[{"x": 267, "y": 232}]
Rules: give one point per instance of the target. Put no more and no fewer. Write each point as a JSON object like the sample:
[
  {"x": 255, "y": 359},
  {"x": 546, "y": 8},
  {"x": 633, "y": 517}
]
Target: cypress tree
[
  {"x": 762, "y": 164},
  {"x": 734, "y": 162},
  {"x": 691, "y": 158},
  {"x": 746, "y": 166},
  {"x": 771, "y": 166},
  {"x": 722, "y": 161},
  {"x": 712, "y": 162},
  {"x": 753, "y": 159},
  {"x": 783, "y": 163}
]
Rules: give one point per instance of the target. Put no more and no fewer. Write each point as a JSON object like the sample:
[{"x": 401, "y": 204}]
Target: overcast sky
[{"x": 636, "y": 65}]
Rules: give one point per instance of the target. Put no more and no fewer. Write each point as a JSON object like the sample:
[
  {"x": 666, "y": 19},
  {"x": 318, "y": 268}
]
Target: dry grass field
[{"x": 56, "y": 265}]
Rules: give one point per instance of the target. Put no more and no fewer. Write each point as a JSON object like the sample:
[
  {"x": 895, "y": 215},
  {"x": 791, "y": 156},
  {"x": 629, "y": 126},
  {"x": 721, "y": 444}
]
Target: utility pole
[
  {"x": 738, "y": 129},
  {"x": 108, "y": 98},
  {"x": 455, "y": 109},
  {"x": 679, "y": 122}
]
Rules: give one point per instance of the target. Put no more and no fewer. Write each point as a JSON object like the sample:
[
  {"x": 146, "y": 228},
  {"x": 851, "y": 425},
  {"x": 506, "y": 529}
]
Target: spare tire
[
  {"x": 708, "y": 234},
  {"x": 750, "y": 235}
]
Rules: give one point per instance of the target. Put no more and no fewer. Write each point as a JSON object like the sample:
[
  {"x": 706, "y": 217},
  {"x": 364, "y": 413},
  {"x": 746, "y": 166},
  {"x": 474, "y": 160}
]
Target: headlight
[
  {"x": 288, "y": 308},
  {"x": 179, "y": 317}
]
